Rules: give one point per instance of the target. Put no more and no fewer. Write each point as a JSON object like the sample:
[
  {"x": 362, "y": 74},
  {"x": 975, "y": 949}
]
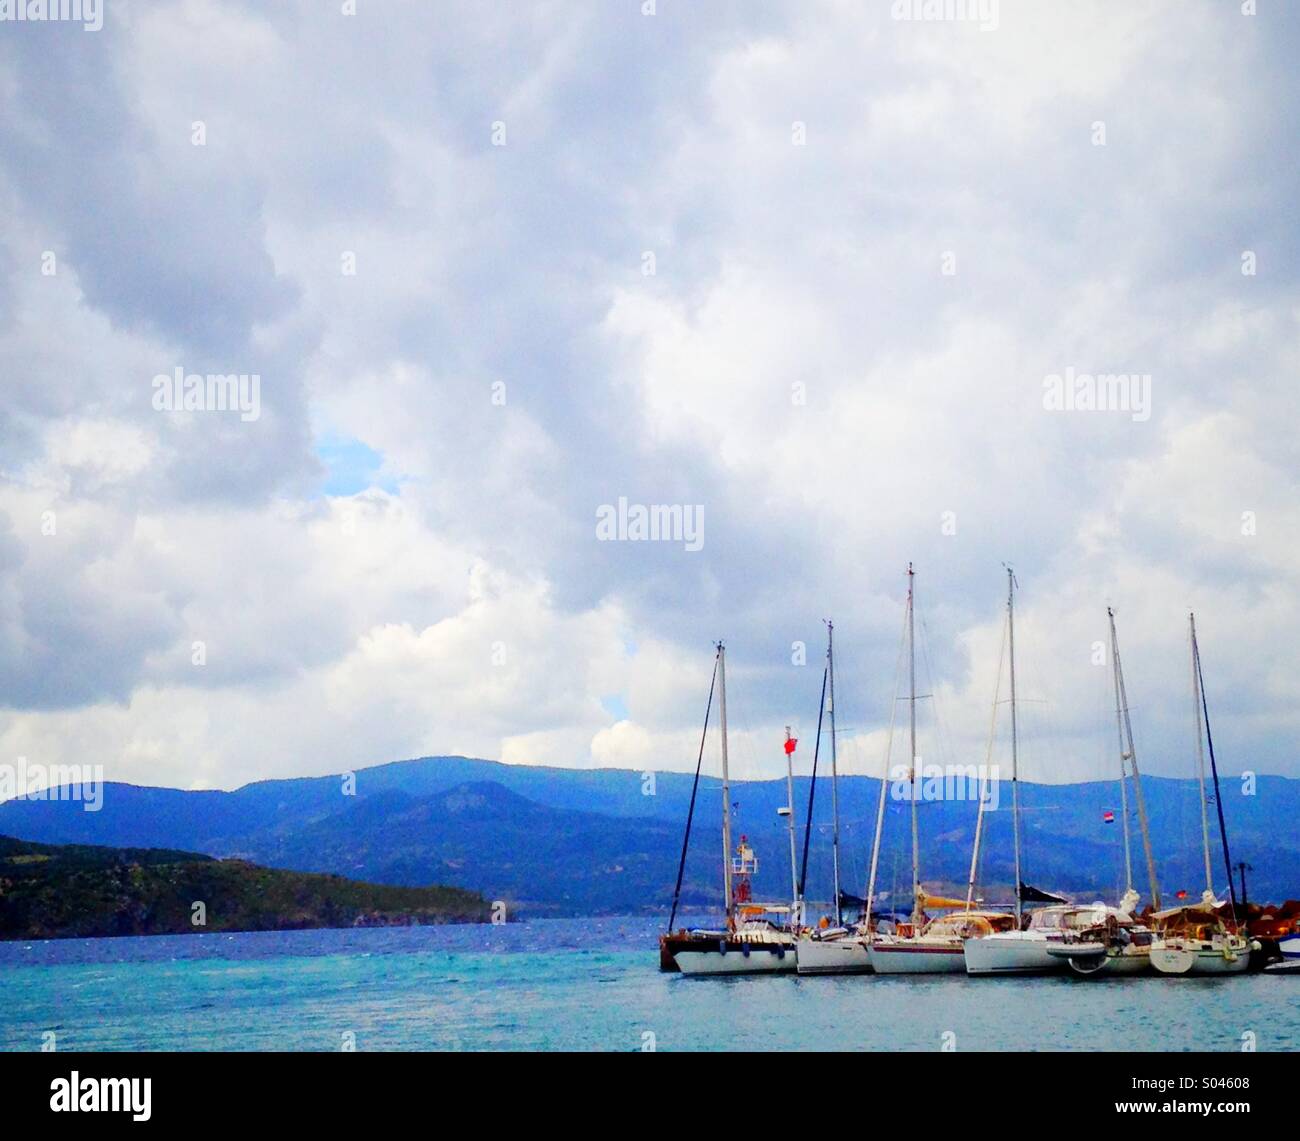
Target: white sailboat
[
  {"x": 1197, "y": 940},
  {"x": 1022, "y": 949},
  {"x": 1110, "y": 941},
  {"x": 757, "y": 938},
  {"x": 835, "y": 949},
  {"x": 924, "y": 946},
  {"x": 1289, "y": 963}
]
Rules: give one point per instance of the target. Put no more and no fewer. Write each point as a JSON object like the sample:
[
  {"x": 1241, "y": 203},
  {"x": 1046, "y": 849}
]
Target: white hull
[
  {"x": 1286, "y": 966},
  {"x": 916, "y": 957},
  {"x": 748, "y": 959},
  {"x": 1012, "y": 953},
  {"x": 1178, "y": 960},
  {"x": 847, "y": 956}
]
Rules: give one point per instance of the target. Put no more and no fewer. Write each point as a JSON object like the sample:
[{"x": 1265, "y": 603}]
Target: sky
[{"x": 806, "y": 274}]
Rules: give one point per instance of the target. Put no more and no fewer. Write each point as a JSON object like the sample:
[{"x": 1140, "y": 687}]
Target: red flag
[
  {"x": 790, "y": 743},
  {"x": 1182, "y": 895},
  {"x": 1108, "y": 817}
]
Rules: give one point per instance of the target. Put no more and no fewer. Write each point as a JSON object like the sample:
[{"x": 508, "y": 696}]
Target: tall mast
[
  {"x": 1123, "y": 753},
  {"x": 726, "y": 780},
  {"x": 789, "y": 813},
  {"x": 1214, "y": 773},
  {"x": 884, "y": 786},
  {"x": 812, "y": 790},
  {"x": 1200, "y": 763},
  {"x": 835, "y": 776},
  {"x": 983, "y": 785},
  {"x": 1122, "y": 698},
  {"x": 911, "y": 673},
  {"x": 695, "y": 788},
  {"x": 1015, "y": 743}
]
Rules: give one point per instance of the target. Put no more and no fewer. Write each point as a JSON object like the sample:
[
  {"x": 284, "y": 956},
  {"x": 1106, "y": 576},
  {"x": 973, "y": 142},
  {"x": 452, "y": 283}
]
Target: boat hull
[
  {"x": 672, "y": 944},
  {"x": 833, "y": 957},
  {"x": 728, "y": 957},
  {"x": 1011, "y": 954},
  {"x": 1179, "y": 960},
  {"x": 1095, "y": 959},
  {"x": 916, "y": 957}
]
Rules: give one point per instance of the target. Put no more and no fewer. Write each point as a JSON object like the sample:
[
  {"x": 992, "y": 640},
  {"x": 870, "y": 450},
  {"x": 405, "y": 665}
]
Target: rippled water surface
[{"x": 576, "y": 984}]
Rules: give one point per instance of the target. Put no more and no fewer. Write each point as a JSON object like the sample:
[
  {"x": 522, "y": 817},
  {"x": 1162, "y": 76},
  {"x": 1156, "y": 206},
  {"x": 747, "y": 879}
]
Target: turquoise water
[{"x": 579, "y": 985}]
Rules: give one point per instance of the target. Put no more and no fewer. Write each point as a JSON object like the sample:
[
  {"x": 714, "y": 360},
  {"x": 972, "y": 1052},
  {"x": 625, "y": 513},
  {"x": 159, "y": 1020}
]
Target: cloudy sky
[{"x": 804, "y": 268}]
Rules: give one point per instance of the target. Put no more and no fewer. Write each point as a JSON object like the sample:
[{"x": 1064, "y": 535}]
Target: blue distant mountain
[{"x": 570, "y": 841}]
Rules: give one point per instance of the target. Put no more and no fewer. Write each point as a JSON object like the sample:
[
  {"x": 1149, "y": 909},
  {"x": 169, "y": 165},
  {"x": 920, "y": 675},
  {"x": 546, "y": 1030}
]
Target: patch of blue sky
[{"x": 352, "y": 466}]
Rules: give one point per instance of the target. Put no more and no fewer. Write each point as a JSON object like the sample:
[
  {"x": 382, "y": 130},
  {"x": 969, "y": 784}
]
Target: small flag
[
  {"x": 790, "y": 743},
  {"x": 1182, "y": 895},
  {"x": 1108, "y": 817}
]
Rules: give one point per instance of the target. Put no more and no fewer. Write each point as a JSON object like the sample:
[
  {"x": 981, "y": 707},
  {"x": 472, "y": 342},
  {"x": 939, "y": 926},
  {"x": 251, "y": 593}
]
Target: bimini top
[
  {"x": 970, "y": 924},
  {"x": 1199, "y": 921}
]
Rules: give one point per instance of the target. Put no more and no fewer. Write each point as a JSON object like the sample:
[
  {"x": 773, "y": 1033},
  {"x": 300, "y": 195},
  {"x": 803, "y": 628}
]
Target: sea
[{"x": 578, "y": 984}]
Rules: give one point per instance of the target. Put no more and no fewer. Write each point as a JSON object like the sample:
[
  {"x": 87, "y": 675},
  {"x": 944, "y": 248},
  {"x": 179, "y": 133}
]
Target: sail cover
[
  {"x": 1031, "y": 894},
  {"x": 940, "y": 901}
]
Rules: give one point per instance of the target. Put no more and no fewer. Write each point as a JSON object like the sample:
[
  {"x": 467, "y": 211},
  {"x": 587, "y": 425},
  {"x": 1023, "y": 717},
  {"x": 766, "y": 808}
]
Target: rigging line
[
  {"x": 690, "y": 814},
  {"x": 812, "y": 786},
  {"x": 1214, "y": 771},
  {"x": 943, "y": 735},
  {"x": 884, "y": 781}
]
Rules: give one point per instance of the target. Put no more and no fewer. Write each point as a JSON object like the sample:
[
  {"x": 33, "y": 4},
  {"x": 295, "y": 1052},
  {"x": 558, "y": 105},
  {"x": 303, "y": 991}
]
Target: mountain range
[{"x": 551, "y": 841}]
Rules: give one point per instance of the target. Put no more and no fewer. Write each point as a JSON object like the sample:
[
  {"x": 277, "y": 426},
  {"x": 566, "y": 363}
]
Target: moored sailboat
[
  {"x": 1198, "y": 940},
  {"x": 1112, "y": 941},
  {"x": 924, "y": 946},
  {"x": 1021, "y": 949},
  {"x": 757, "y": 937},
  {"x": 833, "y": 949},
  {"x": 1289, "y": 949}
]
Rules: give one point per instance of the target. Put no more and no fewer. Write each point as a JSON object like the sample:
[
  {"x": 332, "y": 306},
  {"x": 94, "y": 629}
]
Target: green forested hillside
[{"x": 49, "y": 891}]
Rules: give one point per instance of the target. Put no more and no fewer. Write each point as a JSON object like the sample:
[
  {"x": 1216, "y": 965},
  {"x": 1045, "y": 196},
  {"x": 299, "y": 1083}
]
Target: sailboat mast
[
  {"x": 1015, "y": 742},
  {"x": 911, "y": 673},
  {"x": 726, "y": 781},
  {"x": 1200, "y": 762},
  {"x": 1123, "y": 753},
  {"x": 835, "y": 776},
  {"x": 1214, "y": 773},
  {"x": 789, "y": 812},
  {"x": 1137, "y": 776},
  {"x": 812, "y": 791},
  {"x": 984, "y": 778},
  {"x": 884, "y": 786}
]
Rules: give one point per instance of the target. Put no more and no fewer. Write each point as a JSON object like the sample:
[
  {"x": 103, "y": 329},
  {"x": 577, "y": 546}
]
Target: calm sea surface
[{"x": 576, "y": 984}]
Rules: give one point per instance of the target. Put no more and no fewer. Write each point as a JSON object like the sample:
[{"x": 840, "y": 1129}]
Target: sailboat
[
  {"x": 757, "y": 937},
  {"x": 834, "y": 949},
  {"x": 1289, "y": 963},
  {"x": 924, "y": 946},
  {"x": 1197, "y": 940},
  {"x": 1023, "y": 949},
  {"x": 1110, "y": 940}
]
